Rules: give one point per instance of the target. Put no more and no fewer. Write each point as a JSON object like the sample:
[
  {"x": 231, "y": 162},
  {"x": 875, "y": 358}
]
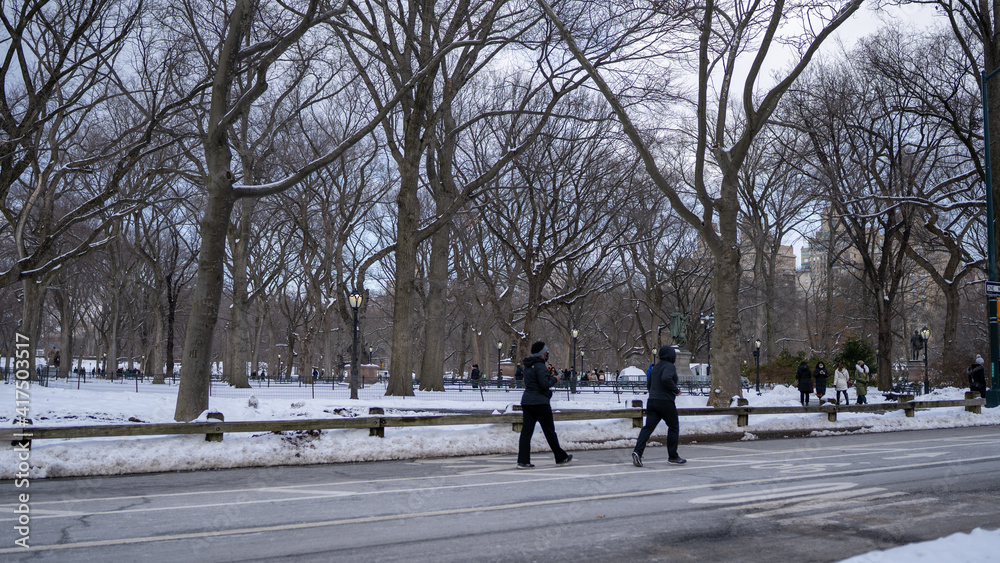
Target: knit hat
[
  {"x": 979, "y": 359},
  {"x": 538, "y": 349}
]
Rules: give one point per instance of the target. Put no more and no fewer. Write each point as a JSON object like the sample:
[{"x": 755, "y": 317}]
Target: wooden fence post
[
  {"x": 831, "y": 411},
  {"x": 637, "y": 421},
  {"x": 217, "y": 435},
  {"x": 977, "y": 409},
  {"x": 909, "y": 409},
  {"x": 380, "y": 429},
  {"x": 742, "y": 419}
]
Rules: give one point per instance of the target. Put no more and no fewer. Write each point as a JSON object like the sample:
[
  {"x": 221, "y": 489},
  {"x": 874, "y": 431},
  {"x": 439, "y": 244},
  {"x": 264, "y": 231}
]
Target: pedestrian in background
[
  {"x": 803, "y": 380},
  {"x": 977, "y": 376},
  {"x": 820, "y": 375},
  {"x": 861, "y": 381},
  {"x": 840, "y": 380},
  {"x": 535, "y": 407},
  {"x": 663, "y": 389},
  {"x": 474, "y": 375}
]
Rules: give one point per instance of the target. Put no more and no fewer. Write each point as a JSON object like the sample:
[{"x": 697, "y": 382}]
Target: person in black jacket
[
  {"x": 803, "y": 380},
  {"x": 475, "y": 375},
  {"x": 977, "y": 376},
  {"x": 663, "y": 389},
  {"x": 820, "y": 375},
  {"x": 538, "y": 383}
]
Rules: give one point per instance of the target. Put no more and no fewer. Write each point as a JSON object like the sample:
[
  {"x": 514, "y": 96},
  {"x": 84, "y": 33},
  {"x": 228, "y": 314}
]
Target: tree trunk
[
  {"x": 196, "y": 366},
  {"x": 239, "y": 328},
  {"x": 884, "y": 311},
  {"x": 111, "y": 365},
  {"x": 66, "y": 324},
  {"x": 408, "y": 220},
  {"x": 432, "y": 366},
  {"x": 725, "y": 366},
  {"x": 953, "y": 303},
  {"x": 155, "y": 364},
  {"x": 31, "y": 317},
  {"x": 171, "y": 321}
]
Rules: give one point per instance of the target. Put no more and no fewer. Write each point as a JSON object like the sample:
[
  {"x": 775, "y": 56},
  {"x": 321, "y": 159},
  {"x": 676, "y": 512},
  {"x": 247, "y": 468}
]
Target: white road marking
[
  {"x": 911, "y": 456},
  {"x": 743, "y": 497}
]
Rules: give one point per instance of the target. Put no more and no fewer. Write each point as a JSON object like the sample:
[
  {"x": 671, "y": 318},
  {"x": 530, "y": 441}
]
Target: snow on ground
[
  {"x": 103, "y": 402},
  {"x": 978, "y": 546}
]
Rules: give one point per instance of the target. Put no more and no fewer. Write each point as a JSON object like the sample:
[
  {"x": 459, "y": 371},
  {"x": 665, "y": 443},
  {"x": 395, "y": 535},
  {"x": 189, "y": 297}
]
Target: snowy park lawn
[{"x": 103, "y": 402}]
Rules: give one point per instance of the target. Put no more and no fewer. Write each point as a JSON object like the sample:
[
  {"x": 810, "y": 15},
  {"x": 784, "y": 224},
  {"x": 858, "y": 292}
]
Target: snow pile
[{"x": 978, "y": 546}]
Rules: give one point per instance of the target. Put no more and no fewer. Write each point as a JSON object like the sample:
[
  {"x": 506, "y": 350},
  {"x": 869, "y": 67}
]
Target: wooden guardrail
[{"x": 376, "y": 422}]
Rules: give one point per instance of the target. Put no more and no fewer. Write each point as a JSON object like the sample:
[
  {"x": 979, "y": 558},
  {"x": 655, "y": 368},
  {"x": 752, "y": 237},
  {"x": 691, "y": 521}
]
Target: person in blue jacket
[
  {"x": 663, "y": 389},
  {"x": 538, "y": 384}
]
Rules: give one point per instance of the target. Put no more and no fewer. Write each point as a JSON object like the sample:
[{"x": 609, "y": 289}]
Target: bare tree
[
  {"x": 274, "y": 31},
  {"x": 74, "y": 128},
  {"x": 723, "y": 35}
]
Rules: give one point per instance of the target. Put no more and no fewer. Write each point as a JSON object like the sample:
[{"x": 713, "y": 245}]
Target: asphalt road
[{"x": 798, "y": 499}]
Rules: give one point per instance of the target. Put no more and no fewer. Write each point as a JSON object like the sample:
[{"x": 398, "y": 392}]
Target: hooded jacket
[
  {"x": 662, "y": 382},
  {"x": 537, "y": 382},
  {"x": 803, "y": 378}
]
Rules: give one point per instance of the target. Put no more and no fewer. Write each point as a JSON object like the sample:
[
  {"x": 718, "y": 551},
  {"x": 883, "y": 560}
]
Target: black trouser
[
  {"x": 657, "y": 410},
  {"x": 542, "y": 414},
  {"x": 804, "y": 397},
  {"x": 846, "y": 400}
]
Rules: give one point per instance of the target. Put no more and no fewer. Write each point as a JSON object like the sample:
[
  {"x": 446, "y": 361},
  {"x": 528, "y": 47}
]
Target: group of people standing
[
  {"x": 805, "y": 379},
  {"x": 535, "y": 407}
]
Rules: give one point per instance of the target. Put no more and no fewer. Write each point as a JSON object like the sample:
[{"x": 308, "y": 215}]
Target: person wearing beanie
[
  {"x": 663, "y": 389},
  {"x": 977, "y": 376},
  {"x": 538, "y": 384}
]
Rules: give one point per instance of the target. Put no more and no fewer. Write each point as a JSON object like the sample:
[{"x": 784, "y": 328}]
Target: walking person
[
  {"x": 803, "y": 380},
  {"x": 475, "y": 375},
  {"x": 663, "y": 389},
  {"x": 861, "y": 371},
  {"x": 535, "y": 407},
  {"x": 840, "y": 380},
  {"x": 977, "y": 376},
  {"x": 820, "y": 375},
  {"x": 861, "y": 381}
]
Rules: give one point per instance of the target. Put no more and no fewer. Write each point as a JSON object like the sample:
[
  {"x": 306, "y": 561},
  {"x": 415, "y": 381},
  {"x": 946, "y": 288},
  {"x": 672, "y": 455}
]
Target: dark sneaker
[
  {"x": 677, "y": 460},
  {"x": 636, "y": 459},
  {"x": 568, "y": 459},
  {"x": 525, "y": 465}
]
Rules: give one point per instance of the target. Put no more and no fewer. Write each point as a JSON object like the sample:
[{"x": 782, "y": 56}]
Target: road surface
[{"x": 798, "y": 499}]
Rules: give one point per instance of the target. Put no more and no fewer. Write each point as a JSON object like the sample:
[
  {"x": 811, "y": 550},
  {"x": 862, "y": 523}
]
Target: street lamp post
[
  {"x": 355, "y": 301},
  {"x": 371, "y": 350},
  {"x": 581, "y": 360},
  {"x": 708, "y": 321},
  {"x": 756, "y": 357},
  {"x": 926, "y": 334},
  {"x": 499, "y": 351},
  {"x": 279, "y": 371},
  {"x": 572, "y": 375},
  {"x": 992, "y": 309},
  {"x": 576, "y": 334}
]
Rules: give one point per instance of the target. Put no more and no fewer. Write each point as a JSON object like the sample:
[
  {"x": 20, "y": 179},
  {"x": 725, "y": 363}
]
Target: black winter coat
[
  {"x": 977, "y": 379},
  {"x": 537, "y": 382},
  {"x": 820, "y": 375},
  {"x": 662, "y": 383},
  {"x": 803, "y": 379}
]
